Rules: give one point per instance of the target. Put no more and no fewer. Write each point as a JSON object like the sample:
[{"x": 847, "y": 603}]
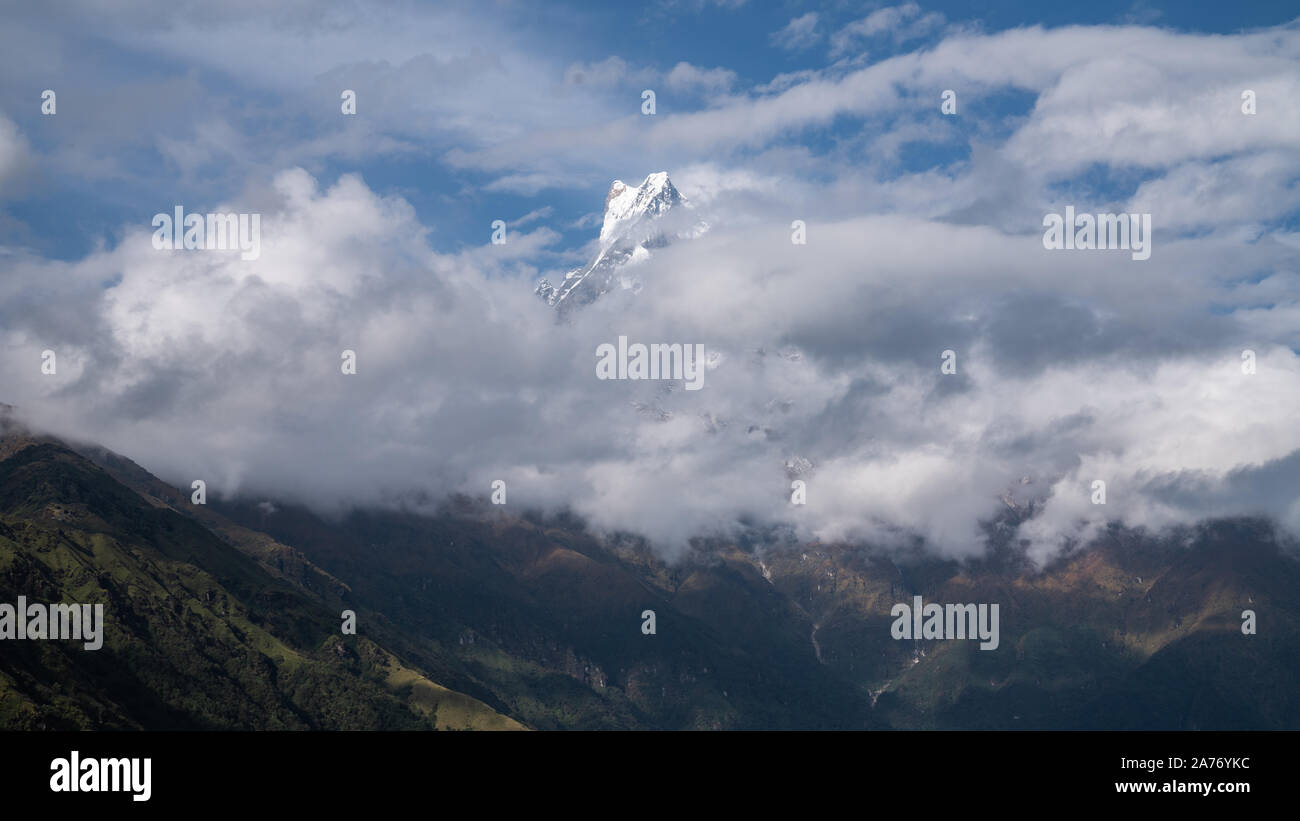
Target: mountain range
[{"x": 227, "y": 616}]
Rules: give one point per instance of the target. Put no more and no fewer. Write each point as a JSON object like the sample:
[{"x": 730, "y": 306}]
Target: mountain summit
[
  {"x": 625, "y": 205},
  {"x": 636, "y": 219}
]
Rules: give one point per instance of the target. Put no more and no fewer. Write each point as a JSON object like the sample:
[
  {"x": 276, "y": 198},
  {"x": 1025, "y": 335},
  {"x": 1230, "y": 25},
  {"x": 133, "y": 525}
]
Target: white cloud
[
  {"x": 799, "y": 34},
  {"x": 686, "y": 77},
  {"x": 15, "y": 155},
  {"x": 1072, "y": 366},
  {"x": 902, "y": 23},
  {"x": 532, "y": 216},
  {"x": 199, "y": 364}
]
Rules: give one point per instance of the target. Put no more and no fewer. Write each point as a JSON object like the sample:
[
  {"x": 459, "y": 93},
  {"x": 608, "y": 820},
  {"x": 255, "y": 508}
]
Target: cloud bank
[{"x": 825, "y": 357}]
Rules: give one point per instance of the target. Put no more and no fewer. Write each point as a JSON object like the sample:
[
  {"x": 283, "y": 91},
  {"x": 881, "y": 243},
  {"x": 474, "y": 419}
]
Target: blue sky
[{"x": 737, "y": 37}]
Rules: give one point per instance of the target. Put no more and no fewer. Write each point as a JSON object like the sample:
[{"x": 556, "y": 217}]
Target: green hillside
[{"x": 197, "y": 634}]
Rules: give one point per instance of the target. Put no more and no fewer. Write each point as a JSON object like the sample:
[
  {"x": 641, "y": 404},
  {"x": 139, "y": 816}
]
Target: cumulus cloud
[
  {"x": 1072, "y": 367},
  {"x": 204, "y": 365}
]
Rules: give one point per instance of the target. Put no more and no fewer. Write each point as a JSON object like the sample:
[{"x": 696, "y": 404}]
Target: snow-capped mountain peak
[
  {"x": 636, "y": 219},
  {"x": 625, "y": 204}
]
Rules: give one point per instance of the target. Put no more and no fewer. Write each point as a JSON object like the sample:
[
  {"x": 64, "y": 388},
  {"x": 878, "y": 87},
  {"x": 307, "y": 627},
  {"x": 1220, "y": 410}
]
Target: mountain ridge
[
  {"x": 635, "y": 221},
  {"x": 197, "y": 633},
  {"x": 478, "y": 618}
]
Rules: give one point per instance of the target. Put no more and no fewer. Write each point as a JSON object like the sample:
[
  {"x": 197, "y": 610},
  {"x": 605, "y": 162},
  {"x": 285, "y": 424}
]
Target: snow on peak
[
  {"x": 634, "y": 223},
  {"x": 625, "y": 204}
]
